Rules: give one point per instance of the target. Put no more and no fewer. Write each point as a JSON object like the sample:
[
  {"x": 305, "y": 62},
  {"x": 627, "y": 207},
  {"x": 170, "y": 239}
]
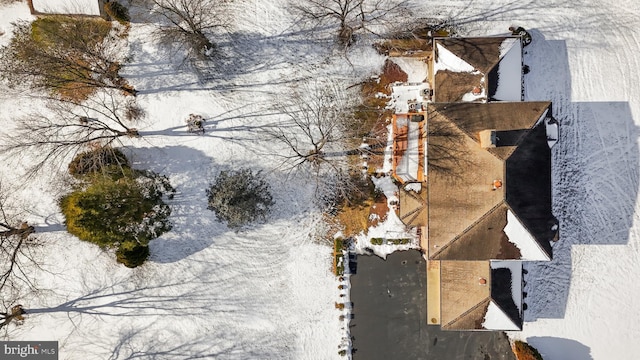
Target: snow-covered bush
[
  {"x": 240, "y": 197},
  {"x": 123, "y": 212}
]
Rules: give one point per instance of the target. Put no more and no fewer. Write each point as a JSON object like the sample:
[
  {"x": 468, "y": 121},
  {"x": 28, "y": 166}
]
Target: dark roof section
[
  {"x": 528, "y": 179},
  {"x": 501, "y": 294},
  {"x": 483, "y": 240}
]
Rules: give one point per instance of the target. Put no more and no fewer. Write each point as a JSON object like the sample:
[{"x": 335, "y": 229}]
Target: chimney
[{"x": 488, "y": 138}]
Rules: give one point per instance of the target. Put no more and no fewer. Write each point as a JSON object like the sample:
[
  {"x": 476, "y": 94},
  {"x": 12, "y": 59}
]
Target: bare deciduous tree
[
  {"x": 67, "y": 128},
  {"x": 315, "y": 138},
  {"x": 17, "y": 245},
  {"x": 190, "y": 24},
  {"x": 71, "y": 56},
  {"x": 349, "y": 16}
]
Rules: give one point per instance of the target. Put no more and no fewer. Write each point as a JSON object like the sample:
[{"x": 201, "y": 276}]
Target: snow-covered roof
[
  {"x": 67, "y": 7},
  {"x": 409, "y": 96},
  {"x": 497, "y": 319},
  {"x": 415, "y": 68},
  {"x": 496, "y": 63},
  {"x": 508, "y": 72}
]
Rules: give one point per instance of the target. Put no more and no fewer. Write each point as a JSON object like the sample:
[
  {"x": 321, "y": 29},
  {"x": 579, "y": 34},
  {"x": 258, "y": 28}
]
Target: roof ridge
[
  {"x": 488, "y": 298},
  {"x": 485, "y": 215}
]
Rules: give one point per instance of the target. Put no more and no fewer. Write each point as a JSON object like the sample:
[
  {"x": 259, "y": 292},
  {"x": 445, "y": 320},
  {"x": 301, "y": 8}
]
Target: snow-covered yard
[
  {"x": 84, "y": 7},
  {"x": 268, "y": 292}
]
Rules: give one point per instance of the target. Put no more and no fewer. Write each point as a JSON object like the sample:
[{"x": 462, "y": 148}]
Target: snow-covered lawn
[
  {"x": 84, "y": 7},
  {"x": 267, "y": 292}
]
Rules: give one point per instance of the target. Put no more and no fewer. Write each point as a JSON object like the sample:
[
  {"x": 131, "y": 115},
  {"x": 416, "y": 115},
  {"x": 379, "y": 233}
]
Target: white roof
[
  {"x": 509, "y": 86},
  {"x": 518, "y": 234},
  {"x": 447, "y": 60},
  {"x": 496, "y": 319}
]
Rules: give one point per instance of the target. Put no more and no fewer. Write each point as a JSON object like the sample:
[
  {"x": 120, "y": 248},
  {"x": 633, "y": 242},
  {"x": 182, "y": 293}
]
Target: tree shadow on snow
[
  {"x": 237, "y": 54},
  {"x": 558, "y": 348},
  {"x": 142, "y": 314},
  {"x": 595, "y": 175}
]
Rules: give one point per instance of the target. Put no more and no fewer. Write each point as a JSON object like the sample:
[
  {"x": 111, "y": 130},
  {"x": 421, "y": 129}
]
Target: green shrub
[
  {"x": 132, "y": 254},
  {"x": 240, "y": 197},
  {"x": 398, "y": 241},
  {"x": 377, "y": 241},
  {"x": 105, "y": 160},
  {"x": 124, "y": 212},
  {"x": 117, "y": 11}
]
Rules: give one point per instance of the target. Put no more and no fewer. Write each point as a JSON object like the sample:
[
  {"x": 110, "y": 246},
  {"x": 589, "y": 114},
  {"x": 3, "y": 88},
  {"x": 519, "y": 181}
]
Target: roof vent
[
  {"x": 482, "y": 281},
  {"x": 488, "y": 138}
]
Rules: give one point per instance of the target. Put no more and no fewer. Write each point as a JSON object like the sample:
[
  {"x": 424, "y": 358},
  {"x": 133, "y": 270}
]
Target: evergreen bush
[
  {"x": 131, "y": 254},
  {"x": 240, "y": 197},
  {"x": 123, "y": 212}
]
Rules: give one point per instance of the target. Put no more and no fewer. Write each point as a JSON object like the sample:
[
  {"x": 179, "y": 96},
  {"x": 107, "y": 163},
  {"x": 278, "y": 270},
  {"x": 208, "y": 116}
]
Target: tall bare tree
[
  {"x": 17, "y": 245},
  {"x": 315, "y": 138},
  {"x": 189, "y": 25},
  {"x": 349, "y": 16},
  {"x": 68, "y": 127},
  {"x": 71, "y": 56}
]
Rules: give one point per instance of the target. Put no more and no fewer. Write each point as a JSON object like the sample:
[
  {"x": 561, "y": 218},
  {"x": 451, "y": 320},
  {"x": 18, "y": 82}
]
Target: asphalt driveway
[{"x": 389, "y": 300}]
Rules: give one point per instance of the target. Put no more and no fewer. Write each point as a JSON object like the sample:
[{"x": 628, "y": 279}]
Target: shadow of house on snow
[
  {"x": 595, "y": 175},
  {"x": 558, "y": 348}
]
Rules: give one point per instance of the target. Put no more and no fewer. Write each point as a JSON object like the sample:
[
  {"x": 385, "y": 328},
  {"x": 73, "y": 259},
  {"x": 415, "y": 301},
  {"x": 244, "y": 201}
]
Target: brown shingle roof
[
  {"x": 461, "y": 290},
  {"x": 451, "y": 86},
  {"x": 413, "y": 207},
  {"x": 466, "y": 214}
]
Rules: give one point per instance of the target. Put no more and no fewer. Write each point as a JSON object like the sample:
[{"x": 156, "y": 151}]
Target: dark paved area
[{"x": 389, "y": 306}]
